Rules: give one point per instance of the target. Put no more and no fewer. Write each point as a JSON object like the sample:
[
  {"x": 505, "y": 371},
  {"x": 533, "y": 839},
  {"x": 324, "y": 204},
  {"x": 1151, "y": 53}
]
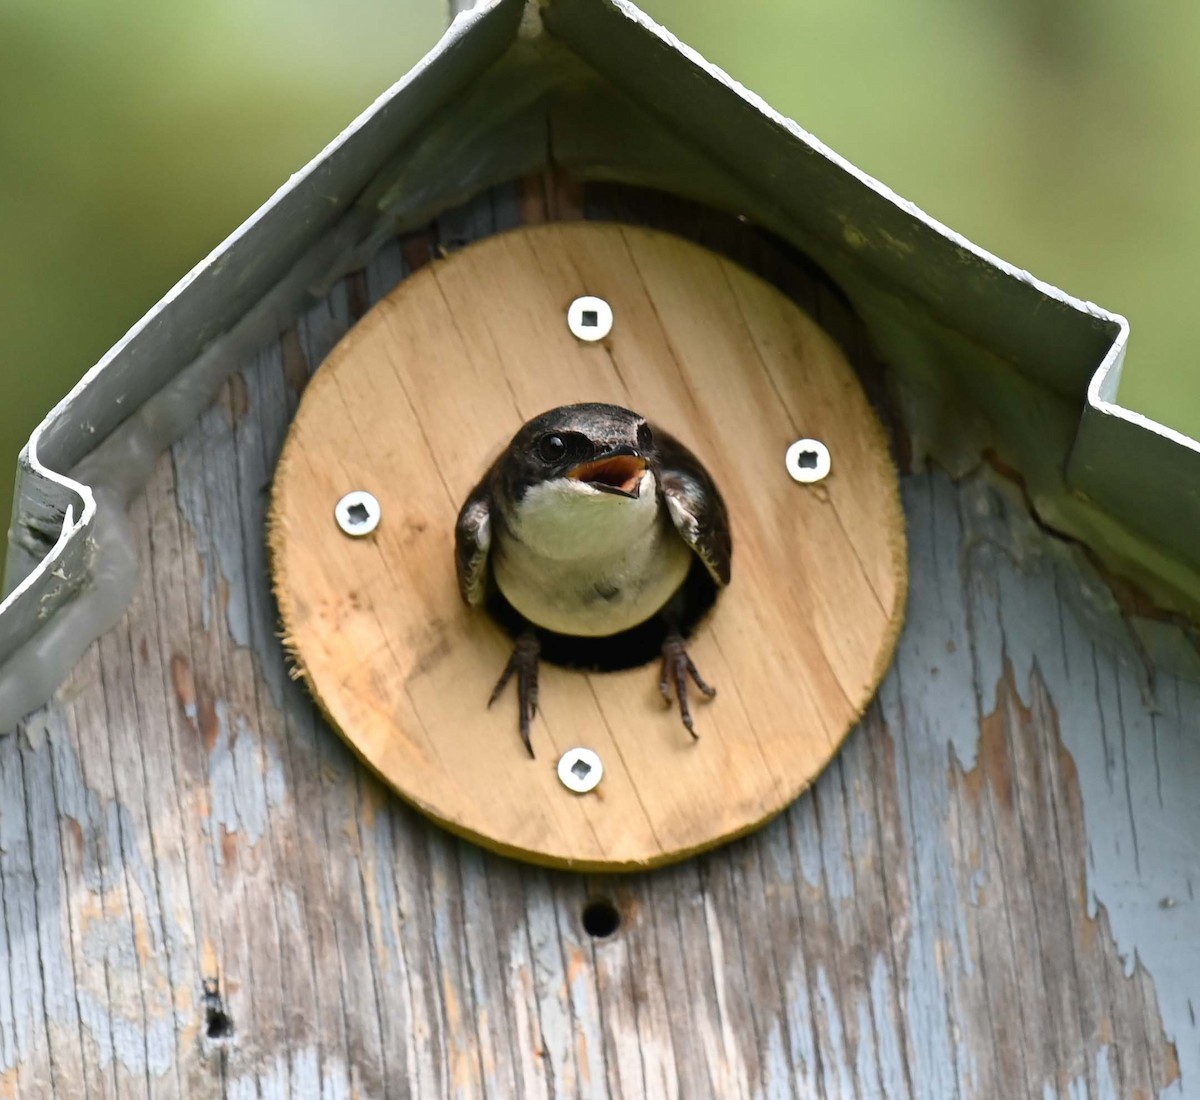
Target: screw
[
  {"x": 357, "y": 513},
  {"x": 807, "y": 460},
  {"x": 580, "y": 770},
  {"x": 589, "y": 318}
]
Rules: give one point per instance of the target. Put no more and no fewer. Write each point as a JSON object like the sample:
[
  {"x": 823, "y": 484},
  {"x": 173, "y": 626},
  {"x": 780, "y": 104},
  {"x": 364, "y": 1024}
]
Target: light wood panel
[{"x": 425, "y": 391}]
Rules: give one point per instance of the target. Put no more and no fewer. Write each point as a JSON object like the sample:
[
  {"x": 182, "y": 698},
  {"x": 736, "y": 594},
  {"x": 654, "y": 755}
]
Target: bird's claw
[
  {"x": 523, "y": 662},
  {"x": 677, "y": 667}
]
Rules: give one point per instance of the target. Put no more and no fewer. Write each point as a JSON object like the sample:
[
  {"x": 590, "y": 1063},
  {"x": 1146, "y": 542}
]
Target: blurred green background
[{"x": 135, "y": 134}]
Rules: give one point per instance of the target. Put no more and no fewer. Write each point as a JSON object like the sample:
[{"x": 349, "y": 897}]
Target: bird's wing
[
  {"x": 472, "y": 539},
  {"x": 696, "y": 507}
]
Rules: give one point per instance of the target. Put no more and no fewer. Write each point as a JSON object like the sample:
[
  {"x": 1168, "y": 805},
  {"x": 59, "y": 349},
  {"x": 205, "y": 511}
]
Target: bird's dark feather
[
  {"x": 695, "y": 505},
  {"x": 473, "y": 535}
]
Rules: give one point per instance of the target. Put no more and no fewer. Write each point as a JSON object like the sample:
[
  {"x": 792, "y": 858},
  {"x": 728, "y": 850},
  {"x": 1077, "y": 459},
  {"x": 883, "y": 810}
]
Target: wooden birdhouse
[{"x": 260, "y": 832}]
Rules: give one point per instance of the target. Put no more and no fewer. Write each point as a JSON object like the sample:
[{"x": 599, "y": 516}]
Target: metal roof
[{"x": 597, "y": 87}]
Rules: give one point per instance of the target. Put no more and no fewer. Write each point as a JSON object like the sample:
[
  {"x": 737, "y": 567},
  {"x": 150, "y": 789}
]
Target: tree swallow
[{"x": 588, "y": 526}]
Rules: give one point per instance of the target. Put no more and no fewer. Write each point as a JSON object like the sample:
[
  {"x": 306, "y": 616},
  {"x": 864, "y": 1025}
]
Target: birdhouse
[{"x": 261, "y": 833}]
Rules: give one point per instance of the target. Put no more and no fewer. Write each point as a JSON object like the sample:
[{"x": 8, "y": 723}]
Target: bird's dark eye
[
  {"x": 551, "y": 448},
  {"x": 645, "y": 437}
]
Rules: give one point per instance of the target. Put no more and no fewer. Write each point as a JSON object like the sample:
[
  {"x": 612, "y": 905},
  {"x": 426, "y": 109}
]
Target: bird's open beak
[{"x": 620, "y": 472}]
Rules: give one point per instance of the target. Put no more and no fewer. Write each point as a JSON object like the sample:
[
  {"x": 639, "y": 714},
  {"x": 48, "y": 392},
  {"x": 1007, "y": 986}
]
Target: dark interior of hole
[
  {"x": 358, "y": 513},
  {"x": 217, "y": 1023},
  {"x": 601, "y": 918},
  {"x": 590, "y": 318},
  {"x": 807, "y": 460},
  {"x": 637, "y": 646}
]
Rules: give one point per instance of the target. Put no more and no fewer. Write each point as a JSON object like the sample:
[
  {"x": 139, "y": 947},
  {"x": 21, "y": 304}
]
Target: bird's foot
[
  {"x": 523, "y": 662},
  {"x": 677, "y": 667}
]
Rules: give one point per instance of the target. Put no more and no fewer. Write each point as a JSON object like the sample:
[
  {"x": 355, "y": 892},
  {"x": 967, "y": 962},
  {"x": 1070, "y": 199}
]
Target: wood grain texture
[
  {"x": 989, "y": 893},
  {"x": 418, "y": 399}
]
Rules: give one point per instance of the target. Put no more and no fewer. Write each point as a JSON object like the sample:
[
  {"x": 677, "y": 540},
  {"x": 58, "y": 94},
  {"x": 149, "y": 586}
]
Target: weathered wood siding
[{"x": 990, "y": 893}]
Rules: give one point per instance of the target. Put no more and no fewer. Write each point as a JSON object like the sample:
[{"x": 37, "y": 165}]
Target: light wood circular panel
[{"x": 427, "y": 389}]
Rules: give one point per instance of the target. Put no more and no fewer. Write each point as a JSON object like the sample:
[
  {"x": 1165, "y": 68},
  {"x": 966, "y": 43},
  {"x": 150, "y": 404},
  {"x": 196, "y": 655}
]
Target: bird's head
[{"x": 583, "y": 450}]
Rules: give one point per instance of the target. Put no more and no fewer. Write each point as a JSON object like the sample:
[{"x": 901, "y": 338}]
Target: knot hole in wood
[{"x": 218, "y": 1024}]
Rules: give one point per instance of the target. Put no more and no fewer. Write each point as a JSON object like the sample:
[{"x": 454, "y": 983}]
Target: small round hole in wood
[
  {"x": 601, "y": 918},
  {"x": 421, "y": 396}
]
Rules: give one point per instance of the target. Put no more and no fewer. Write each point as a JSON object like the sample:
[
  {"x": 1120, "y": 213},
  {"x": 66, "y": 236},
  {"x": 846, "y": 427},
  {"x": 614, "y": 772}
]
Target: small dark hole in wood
[
  {"x": 581, "y": 769},
  {"x": 601, "y": 918},
  {"x": 590, "y": 318},
  {"x": 217, "y": 1024},
  {"x": 807, "y": 460},
  {"x": 358, "y": 514}
]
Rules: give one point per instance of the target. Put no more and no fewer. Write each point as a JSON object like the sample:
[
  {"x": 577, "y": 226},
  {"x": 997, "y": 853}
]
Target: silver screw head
[
  {"x": 357, "y": 513},
  {"x": 590, "y": 318},
  {"x": 580, "y": 770},
  {"x": 807, "y": 460}
]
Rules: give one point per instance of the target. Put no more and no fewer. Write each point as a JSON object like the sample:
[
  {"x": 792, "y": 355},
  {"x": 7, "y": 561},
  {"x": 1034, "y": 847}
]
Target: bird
[{"x": 587, "y": 526}]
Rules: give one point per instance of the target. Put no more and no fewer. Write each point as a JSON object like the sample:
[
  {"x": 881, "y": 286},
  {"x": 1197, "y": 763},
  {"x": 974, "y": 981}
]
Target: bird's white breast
[{"x": 580, "y": 561}]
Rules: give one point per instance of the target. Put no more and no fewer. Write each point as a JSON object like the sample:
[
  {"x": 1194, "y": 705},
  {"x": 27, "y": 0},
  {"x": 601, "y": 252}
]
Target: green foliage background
[{"x": 134, "y": 134}]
